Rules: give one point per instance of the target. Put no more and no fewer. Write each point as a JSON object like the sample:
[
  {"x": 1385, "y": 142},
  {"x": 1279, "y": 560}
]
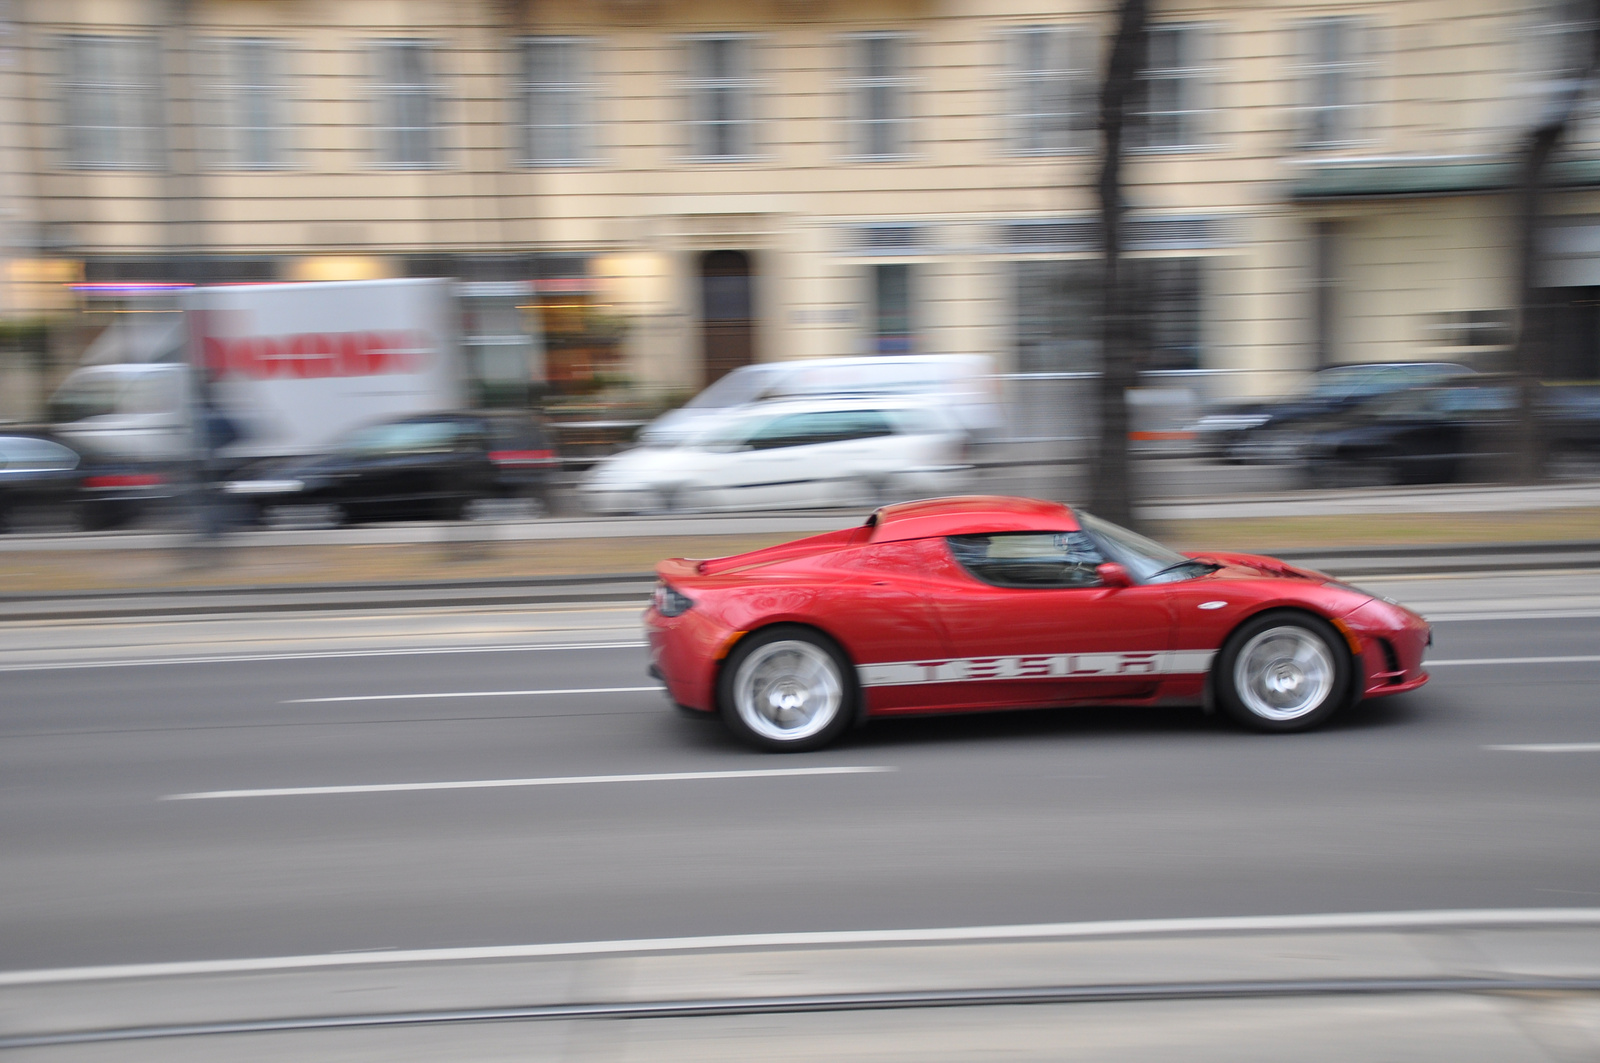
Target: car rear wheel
[
  {"x": 1283, "y": 672},
  {"x": 787, "y": 689}
]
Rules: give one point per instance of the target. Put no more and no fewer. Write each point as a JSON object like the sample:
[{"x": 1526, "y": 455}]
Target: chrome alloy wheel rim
[
  {"x": 787, "y": 690},
  {"x": 1284, "y": 673}
]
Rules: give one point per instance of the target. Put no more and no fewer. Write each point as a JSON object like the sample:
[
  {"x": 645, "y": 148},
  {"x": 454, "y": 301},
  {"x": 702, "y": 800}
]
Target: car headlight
[{"x": 671, "y": 602}]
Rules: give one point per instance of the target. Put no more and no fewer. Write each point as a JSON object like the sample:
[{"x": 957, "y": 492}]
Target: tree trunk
[
  {"x": 1531, "y": 360},
  {"x": 1111, "y": 494}
]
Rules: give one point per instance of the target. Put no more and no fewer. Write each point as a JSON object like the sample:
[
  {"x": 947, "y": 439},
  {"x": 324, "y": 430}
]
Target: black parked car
[
  {"x": 426, "y": 466},
  {"x": 46, "y": 483},
  {"x": 1454, "y": 430},
  {"x": 1246, "y": 432},
  {"x": 1434, "y": 434}
]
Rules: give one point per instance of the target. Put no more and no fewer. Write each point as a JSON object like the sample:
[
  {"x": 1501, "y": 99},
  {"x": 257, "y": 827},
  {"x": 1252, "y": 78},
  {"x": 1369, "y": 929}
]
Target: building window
[
  {"x": 111, "y": 95},
  {"x": 1167, "y": 109},
  {"x": 253, "y": 118},
  {"x": 555, "y": 96},
  {"x": 1335, "y": 62},
  {"x": 1556, "y": 38},
  {"x": 1058, "y": 307},
  {"x": 408, "y": 105},
  {"x": 1050, "y": 90},
  {"x": 879, "y": 93},
  {"x": 720, "y": 98},
  {"x": 893, "y": 298}
]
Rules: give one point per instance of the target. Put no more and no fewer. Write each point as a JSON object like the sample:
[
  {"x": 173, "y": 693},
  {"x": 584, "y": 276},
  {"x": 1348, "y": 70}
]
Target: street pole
[{"x": 1111, "y": 493}]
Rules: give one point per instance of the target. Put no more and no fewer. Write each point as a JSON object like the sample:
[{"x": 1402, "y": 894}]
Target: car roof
[
  {"x": 828, "y": 403},
  {"x": 968, "y": 515}
]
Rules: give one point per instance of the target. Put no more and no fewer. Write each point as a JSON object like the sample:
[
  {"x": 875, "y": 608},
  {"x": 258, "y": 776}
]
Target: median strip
[
  {"x": 311, "y": 655},
  {"x": 561, "y": 780},
  {"x": 470, "y": 694}
]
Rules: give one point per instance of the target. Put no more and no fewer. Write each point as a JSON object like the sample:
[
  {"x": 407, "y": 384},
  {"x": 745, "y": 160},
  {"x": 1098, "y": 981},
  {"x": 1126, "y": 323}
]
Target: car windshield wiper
[{"x": 1210, "y": 566}]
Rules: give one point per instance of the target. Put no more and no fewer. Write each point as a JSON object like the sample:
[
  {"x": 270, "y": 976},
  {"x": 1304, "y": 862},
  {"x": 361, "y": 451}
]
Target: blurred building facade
[{"x": 671, "y": 188}]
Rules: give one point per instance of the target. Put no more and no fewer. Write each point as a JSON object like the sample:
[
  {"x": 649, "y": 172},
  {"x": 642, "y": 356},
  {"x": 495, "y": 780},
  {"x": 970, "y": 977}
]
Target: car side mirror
[{"x": 1113, "y": 575}]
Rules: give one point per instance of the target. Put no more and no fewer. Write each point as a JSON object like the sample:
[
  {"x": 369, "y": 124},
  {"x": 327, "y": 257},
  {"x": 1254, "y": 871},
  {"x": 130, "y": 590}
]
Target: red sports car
[{"x": 962, "y": 604}]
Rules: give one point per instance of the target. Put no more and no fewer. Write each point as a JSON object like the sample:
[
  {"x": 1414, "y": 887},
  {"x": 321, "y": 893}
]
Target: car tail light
[
  {"x": 523, "y": 457},
  {"x": 671, "y": 602},
  {"x": 148, "y": 479}
]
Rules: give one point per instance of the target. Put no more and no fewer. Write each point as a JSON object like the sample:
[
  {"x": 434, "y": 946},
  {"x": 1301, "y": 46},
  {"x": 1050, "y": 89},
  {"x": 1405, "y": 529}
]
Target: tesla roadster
[{"x": 966, "y": 604}]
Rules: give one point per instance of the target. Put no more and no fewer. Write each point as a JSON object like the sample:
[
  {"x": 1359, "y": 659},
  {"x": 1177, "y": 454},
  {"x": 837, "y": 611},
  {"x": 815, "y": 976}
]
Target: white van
[{"x": 961, "y": 383}]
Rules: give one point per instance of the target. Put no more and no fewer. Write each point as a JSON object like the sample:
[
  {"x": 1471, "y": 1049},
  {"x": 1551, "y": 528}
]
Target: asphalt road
[{"x": 1017, "y": 818}]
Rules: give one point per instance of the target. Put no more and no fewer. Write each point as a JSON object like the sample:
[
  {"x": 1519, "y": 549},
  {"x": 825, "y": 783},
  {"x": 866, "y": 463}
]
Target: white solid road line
[
  {"x": 310, "y": 655},
  {"x": 1549, "y": 747},
  {"x": 470, "y": 694},
  {"x": 1586, "y": 658},
  {"x": 1454, "y": 919},
  {"x": 559, "y": 780}
]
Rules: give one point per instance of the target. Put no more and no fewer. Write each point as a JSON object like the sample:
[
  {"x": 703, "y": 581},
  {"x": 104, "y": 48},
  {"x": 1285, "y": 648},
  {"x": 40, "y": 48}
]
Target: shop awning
[{"x": 1340, "y": 180}]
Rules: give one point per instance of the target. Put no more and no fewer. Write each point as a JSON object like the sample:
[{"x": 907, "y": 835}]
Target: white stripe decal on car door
[{"x": 1035, "y": 666}]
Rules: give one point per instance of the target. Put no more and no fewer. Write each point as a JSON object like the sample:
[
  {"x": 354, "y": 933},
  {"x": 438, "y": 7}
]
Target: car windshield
[
  {"x": 93, "y": 396},
  {"x": 1146, "y": 560},
  {"x": 735, "y": 389}
]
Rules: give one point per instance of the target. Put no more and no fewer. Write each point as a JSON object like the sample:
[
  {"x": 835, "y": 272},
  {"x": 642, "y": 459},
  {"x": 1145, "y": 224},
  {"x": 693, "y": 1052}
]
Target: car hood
[
  {"x": 1256, "y": 566},
  {"x": 645, "y": 465}
]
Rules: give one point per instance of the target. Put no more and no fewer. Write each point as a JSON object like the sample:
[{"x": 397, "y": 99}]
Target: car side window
[
  {"x": 26, "y": 454},
  {"x": 858, "y": 424},
  {"x": 1029, "y": 559},
  {"x": 781, "y": 432},
  {"x": 405, "y": 437}
]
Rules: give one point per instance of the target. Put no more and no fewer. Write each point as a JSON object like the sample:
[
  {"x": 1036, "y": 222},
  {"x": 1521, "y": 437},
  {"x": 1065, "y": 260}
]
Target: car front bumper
[{"x": 1394, "y": 641}]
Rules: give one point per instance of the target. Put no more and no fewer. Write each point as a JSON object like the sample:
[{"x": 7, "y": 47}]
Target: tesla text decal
[{"x": 1037, "y": 666}]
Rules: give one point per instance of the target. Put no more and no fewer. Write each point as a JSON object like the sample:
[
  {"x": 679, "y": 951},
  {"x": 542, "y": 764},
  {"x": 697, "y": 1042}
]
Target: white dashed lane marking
[
  {"x": 1584, "y": 658},
  {"x": 470, "y": 694},
  {"x": 1549, "y": 747},
  {"x": 560, "y": 780}
]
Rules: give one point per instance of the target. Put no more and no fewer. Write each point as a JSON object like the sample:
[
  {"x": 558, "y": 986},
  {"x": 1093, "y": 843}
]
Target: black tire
[
  {"x": 1283, "y": 672},
  {"x": 753, "y": 676}
]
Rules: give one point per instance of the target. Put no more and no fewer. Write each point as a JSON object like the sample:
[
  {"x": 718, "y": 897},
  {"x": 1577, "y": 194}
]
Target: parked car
[
  {"x": 45, "y": 481},
  {"x": 975, "y": 604},
  {"x": 1430, "y": 434},
  {"x": 1243, "y": 432},
  {"x": 436, "y": 465},
  {"x": 1436, "y": 433},
  {"x": 962, "y": 383},
  {"x": 815, "y": 452}
]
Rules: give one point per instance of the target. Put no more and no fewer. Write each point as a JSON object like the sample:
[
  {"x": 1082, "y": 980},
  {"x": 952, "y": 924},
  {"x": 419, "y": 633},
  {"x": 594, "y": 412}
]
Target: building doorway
[{"x": 727, "y": 313}]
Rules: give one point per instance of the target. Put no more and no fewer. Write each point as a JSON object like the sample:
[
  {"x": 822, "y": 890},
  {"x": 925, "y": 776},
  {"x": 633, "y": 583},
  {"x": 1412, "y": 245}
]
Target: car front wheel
[
  {"x": 787, "y": 689},
  {"x": 1283, "y": 672}
]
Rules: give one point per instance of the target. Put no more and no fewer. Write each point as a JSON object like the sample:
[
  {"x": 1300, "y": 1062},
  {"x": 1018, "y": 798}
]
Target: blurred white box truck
[{"x": 292, "y": 366}]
